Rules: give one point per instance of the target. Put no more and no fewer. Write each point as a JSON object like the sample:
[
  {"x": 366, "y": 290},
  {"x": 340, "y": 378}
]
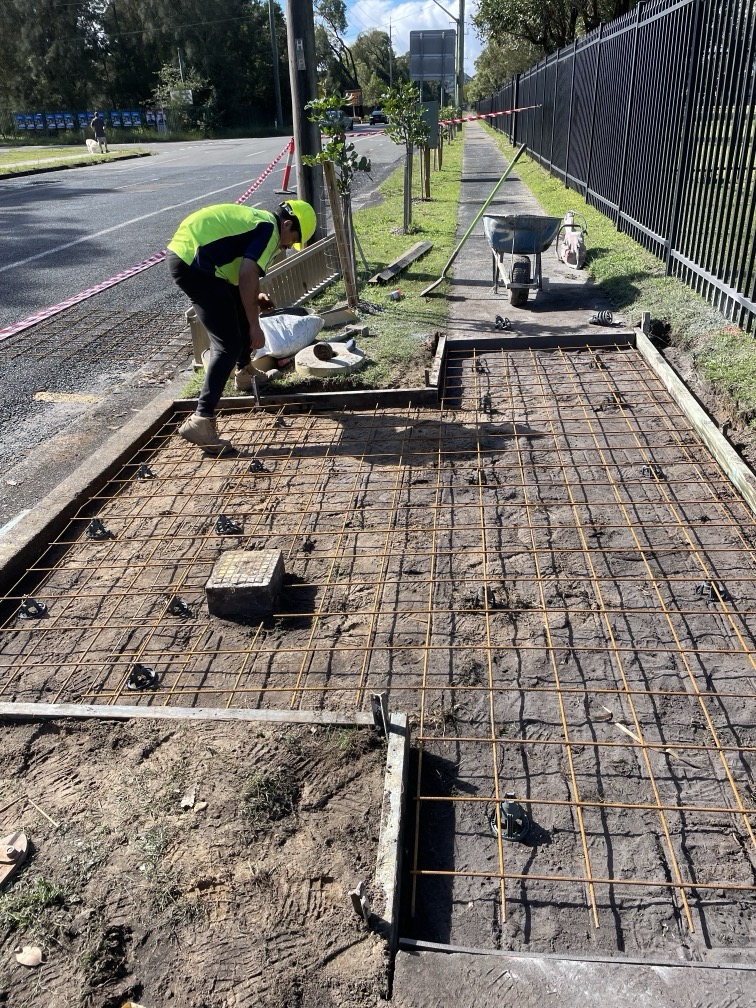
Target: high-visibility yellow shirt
[{"x": 217, "y": 238}]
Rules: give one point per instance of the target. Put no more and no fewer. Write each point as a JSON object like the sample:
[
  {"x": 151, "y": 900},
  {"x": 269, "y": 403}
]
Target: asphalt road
[{"x": 66, "y": 231}]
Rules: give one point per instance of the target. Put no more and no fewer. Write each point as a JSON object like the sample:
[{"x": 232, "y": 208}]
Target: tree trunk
[
  {"x": 346, "y": 260},
  {"x": 408, "y": 188}
]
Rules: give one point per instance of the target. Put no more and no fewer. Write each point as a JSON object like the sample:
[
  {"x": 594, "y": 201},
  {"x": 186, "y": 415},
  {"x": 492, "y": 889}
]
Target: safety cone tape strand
[{"x": 487, "y": 115}]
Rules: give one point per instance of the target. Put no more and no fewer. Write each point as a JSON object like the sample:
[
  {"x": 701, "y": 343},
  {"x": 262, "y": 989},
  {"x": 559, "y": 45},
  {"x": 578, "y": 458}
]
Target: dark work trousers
[{"x": 219, "y": 307}]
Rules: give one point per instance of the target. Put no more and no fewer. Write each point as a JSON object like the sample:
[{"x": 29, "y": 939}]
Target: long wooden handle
[{"x": 477, "y": 217}]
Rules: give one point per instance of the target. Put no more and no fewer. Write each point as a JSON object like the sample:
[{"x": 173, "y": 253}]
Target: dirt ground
[{"x": 197, "y": 865}]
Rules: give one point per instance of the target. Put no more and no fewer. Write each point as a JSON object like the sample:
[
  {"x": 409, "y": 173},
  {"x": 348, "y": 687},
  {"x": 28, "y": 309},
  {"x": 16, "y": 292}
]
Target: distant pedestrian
[
  {"x": 98, "y": 128},
  {"x": 217, "y": 258}
]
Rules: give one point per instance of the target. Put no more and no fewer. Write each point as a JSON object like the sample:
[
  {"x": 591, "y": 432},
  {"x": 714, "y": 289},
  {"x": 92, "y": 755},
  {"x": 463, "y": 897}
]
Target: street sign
[{"x": 433, "y": 55}]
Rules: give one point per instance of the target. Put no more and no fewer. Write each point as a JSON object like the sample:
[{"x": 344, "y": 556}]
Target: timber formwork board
[{"x": 550, "y": 574}]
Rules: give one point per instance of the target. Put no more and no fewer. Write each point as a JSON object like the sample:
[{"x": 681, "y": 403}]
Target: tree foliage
[
  {"x": 406, "y": 125},
  {"x": 373, "y": 60},
  {"x": 111, "y": 53},
  {"x": 547, "y": 25},
  {"x": 497, "y": 63},
  {"x": 335, "y": 61}
]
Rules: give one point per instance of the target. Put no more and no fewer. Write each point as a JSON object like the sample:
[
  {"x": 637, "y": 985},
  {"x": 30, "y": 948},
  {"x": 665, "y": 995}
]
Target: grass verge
[
  {"x": 397, "y": 346},
  {"x": 634, "y": 281},
  {"x": 14, "y": 162}
]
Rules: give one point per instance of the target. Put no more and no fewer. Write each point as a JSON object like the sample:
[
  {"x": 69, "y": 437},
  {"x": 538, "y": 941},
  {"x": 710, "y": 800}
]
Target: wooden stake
[{"x": 339, "y": 228}]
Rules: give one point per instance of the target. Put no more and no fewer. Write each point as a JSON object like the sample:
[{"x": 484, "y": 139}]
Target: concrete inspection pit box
[{"x": 245, "y": 583}]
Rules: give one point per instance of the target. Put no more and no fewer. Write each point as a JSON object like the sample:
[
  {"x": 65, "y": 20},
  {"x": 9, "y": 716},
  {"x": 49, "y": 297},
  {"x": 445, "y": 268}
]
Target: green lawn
[{"x": 45, "y": 158}]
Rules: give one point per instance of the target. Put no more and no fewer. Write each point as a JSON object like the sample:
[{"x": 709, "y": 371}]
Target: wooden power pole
[{"x": 300, "y": 34}]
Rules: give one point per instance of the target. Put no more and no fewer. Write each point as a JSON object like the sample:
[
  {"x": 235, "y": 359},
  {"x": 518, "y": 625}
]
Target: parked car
[
  {"x": 378, "y": 116},
  {"x": 337, "y": 117}
]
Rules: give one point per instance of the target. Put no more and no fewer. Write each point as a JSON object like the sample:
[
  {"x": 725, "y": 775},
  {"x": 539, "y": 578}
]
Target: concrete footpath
[{"x": 569, "y": 297}]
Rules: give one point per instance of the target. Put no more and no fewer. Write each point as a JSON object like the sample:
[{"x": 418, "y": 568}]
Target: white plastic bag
[{"x": 285, "y": 334}]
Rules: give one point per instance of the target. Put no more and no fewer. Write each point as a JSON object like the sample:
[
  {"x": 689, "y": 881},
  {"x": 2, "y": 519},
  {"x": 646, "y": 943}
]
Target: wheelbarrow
[{"x": 519, "y": 236}]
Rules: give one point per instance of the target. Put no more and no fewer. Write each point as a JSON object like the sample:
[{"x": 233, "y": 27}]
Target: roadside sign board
[
  {"x": 430, "y": 116},
  {"x": 433, "y": 55}
]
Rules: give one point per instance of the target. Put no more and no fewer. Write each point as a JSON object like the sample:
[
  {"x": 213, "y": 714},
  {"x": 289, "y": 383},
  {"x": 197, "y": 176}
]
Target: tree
[
  {"x": 547, "y": 25},
  {"x": 53, "y": 64},
  {"x": 497, "y": 63},
  {"x": 340, "y": 164},
  {"x": 202, "y": 114},
  {"x": 373, "y": 60},
  {"x": 337, "y": 57},
  {"x": 406, "y": 125}
]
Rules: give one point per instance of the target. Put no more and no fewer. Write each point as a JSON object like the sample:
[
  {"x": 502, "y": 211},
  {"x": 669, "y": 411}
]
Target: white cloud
[{"x": 415, "y": 15}]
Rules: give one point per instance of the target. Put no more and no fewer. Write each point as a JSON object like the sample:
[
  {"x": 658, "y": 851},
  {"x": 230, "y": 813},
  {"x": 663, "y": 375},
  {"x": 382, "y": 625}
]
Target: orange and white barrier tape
[{"x": 486, "y": 115}]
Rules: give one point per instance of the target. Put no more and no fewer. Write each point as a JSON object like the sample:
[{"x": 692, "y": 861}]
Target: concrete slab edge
[
  {"x": 20, "y": 543},
  {"x": 563, "y": 341},
  {"x": 740, "y": 475},
  {"x": 389, "y": 859},
  {"x": 354, "y": 399},
  {"x": 413, "y": 945}
]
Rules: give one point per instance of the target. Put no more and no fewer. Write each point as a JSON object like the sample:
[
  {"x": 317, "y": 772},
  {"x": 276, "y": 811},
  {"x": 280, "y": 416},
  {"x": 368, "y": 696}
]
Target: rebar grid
[
  {"x": 561, "y": 595},
  {"x": 81, "y": 333}
]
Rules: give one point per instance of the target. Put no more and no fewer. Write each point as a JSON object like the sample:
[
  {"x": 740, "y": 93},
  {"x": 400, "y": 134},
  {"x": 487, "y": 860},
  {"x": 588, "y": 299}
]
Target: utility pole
[
  {"x": 391, "y": 57},
  {"x": 181, "y": 66},
  {"x": 276, "y": 65},
  {"x": 300, "y": 32},
  {"x": 461, "y": 55}
]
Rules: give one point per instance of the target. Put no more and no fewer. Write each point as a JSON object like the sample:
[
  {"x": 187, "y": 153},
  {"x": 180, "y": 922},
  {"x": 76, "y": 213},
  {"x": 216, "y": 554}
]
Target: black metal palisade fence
[{"x": 651, "y": 119}]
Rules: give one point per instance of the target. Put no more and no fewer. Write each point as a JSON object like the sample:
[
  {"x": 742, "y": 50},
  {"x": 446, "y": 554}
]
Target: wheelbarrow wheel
[{"x": 520, "y": 275}]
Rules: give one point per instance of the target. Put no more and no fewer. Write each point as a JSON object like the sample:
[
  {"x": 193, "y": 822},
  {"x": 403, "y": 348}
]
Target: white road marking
[
  {"x": 14, "y": 521},
  {"x": 175, "y": 159},
  {"x": 117, "y": 227}
]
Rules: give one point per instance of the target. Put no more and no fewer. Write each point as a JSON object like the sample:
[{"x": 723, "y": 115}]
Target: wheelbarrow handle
[{"x": 477, "y": 217}]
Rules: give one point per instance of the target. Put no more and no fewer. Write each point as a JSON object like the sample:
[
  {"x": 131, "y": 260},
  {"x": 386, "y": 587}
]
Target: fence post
[
  {"x": 600, "y": 44},
  {"x": 628, "y": 114},
  {"x": 543, "y": 102},
  {"x": 515, "y": 103},
  {"x": 684, "y": 164},
  {"x": 569, "y": 114},
  {"x": 554, "y": 107}
]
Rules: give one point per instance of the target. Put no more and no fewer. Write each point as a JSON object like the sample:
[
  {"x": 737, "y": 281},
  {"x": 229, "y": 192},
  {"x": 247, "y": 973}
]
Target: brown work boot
[
  {"x": 202, "y": 431},
  {"x": 243, "y": 377}
]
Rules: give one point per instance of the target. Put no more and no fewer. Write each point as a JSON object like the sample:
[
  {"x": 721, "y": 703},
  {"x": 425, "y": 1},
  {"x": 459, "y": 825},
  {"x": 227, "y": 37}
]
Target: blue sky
[{"x": 412, "y": 15}]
